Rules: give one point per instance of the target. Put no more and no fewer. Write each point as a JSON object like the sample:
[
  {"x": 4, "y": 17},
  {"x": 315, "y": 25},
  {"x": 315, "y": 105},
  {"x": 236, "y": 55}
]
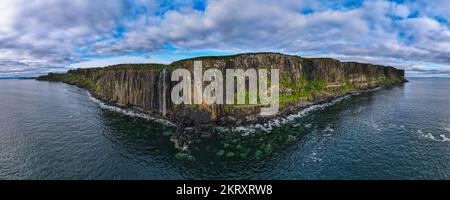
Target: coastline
[{"x": 186, "y": 135}]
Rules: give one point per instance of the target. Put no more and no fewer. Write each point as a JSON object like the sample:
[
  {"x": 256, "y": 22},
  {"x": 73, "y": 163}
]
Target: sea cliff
[{"x": 303, "y": 82}]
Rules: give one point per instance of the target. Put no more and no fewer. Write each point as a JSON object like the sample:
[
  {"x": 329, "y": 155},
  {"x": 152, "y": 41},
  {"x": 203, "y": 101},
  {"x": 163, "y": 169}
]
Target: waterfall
[{"x": 162, "y": 97}]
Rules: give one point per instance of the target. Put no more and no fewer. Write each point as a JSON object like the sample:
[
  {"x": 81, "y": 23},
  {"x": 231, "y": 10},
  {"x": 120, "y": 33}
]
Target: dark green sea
[{"x": 57, "y": 131}]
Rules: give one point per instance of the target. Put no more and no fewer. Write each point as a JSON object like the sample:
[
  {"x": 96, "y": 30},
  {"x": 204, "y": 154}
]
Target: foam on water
[
  {"x": 281, "y": 121},
  {"x": 130, "y": 113},
  {"x": 296, "y": 125},
  {"x": 315, "y": 158},
  {"x": 243, "y": 130},
  {"x": 393, "y": 126},
  {"x": 360, "y": 109},
  {"x": 444, "y": 138},
  {"x": 328, "y": 129},
  {"x": 430, "y": 136}
]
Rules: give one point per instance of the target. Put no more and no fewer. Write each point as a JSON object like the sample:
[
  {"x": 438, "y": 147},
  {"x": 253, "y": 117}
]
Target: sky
[{"x": 41, "y": 36}]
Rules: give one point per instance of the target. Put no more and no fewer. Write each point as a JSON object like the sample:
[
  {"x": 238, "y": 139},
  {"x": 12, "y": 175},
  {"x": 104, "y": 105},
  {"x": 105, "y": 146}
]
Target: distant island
[
  {"x": 303, "y": 82},
  {"x": 6, "y": 78}
]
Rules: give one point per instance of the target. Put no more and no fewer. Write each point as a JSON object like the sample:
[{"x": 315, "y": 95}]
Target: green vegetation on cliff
[
  {"x": 69, "y": 78},
  {"x": 302, "y": 89}
]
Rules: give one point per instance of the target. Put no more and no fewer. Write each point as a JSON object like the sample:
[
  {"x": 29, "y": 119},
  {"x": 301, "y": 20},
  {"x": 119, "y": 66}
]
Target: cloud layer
[{"x": 37, "y": 37}]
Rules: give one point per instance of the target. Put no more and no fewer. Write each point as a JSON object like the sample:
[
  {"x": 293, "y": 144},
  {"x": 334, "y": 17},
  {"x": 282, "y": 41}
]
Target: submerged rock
[
  {"x": 184, "y": 156},
  {"x": 183, "y": 137}
]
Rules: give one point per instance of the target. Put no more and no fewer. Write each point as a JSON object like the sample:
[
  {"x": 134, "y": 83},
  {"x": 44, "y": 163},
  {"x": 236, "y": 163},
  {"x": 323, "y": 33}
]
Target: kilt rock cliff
[{"x": 303, "y": 82}]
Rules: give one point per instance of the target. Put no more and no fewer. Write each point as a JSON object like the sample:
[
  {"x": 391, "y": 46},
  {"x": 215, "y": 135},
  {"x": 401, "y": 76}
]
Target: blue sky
[{"x": 37, "y": 37}]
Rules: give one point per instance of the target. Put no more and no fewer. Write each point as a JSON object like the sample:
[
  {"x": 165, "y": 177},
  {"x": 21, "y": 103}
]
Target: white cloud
[
  {"x": 7, "y": 15},
  {"x": 55, "y": 34}
]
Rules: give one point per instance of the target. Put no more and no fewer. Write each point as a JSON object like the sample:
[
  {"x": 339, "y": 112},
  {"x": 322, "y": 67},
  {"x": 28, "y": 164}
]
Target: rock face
[{"x": 303, "y": 81}]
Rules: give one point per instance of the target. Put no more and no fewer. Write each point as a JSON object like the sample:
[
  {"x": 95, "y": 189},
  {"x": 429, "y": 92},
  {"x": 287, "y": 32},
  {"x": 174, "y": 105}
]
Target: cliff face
[{"x": 148, "y": 86}]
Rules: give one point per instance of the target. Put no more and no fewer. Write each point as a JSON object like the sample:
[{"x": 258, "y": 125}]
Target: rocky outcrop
[{"x": 303, "y": 81}]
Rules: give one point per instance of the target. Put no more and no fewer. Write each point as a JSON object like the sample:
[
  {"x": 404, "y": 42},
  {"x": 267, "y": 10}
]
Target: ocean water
[{"x": 57, "y": 131}]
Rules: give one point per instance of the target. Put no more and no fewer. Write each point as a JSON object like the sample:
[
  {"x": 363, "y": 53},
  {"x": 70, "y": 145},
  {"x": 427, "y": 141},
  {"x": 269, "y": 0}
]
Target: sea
[{"x": 55, "y": 131}]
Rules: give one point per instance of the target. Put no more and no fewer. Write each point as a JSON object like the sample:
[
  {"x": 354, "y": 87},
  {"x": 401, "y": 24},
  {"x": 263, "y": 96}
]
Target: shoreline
[{"x": 186, "y": 135}]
